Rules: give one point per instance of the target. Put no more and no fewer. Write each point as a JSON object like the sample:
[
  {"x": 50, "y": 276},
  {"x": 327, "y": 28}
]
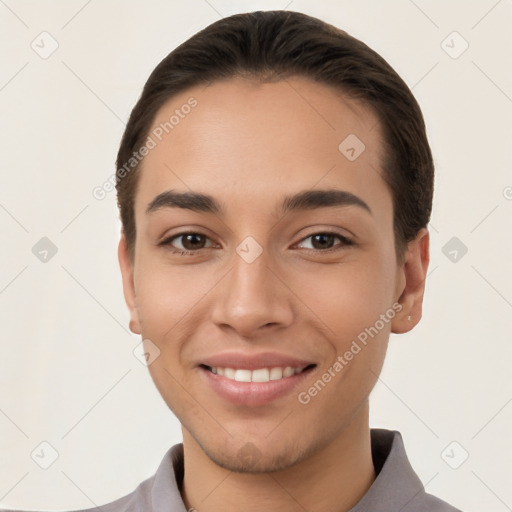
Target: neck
[{"x": 334, "y": 478}]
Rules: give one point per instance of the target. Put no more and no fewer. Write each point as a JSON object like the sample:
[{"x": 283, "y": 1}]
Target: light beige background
[{"x": 68, "y": 375}]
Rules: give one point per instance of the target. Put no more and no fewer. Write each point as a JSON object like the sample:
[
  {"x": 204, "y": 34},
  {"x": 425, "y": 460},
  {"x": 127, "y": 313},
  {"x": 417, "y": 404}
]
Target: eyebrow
[{"x": 304, "y": 200}]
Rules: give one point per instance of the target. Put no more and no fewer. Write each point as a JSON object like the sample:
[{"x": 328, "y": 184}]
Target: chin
[{"x": 251, "y": 460}]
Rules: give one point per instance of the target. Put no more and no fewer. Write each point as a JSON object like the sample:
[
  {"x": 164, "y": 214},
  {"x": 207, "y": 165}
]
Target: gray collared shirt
[{"x": 397, "y": 488}]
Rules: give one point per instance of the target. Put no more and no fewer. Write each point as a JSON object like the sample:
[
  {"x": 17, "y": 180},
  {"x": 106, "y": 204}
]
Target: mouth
[
  {"x": 253, "y": 387},
  {"x": 257, "y": 374}
]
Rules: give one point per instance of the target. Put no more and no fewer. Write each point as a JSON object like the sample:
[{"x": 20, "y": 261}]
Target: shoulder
[
  {"x": 158, "y": 492},
  {"x": 397, "y": 486}
]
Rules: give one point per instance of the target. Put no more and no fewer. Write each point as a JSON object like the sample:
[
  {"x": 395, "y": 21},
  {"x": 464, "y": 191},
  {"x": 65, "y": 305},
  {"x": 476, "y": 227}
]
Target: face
[{"x": 271, "y": 300}]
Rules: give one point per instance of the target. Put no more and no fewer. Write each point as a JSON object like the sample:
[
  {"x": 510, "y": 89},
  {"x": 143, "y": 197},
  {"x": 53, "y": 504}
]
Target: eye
[
  {"x": 323, "y": 241},
  {"x": 191, "y": 242}
]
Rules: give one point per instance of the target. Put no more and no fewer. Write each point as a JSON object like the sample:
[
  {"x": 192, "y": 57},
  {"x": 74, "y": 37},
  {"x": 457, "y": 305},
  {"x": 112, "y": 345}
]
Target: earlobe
[
  {"x": 128, "y": 284},
  {"x": 413, "y": 275}
]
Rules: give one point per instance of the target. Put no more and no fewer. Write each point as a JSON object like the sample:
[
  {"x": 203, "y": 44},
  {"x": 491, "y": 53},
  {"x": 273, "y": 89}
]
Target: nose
[{"x": 252, "y": 297}]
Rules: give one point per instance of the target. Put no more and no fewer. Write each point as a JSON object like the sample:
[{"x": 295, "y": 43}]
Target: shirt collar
[{"x": 396, "y": 484}]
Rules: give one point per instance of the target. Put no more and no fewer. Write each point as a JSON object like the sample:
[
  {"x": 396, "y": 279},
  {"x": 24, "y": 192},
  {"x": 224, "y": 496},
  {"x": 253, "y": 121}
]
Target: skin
[{"x": 248, "y": 145}]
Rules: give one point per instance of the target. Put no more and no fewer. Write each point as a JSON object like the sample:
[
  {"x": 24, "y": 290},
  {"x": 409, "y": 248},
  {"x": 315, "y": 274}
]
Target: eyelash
[{"x": 185, "y": 252}]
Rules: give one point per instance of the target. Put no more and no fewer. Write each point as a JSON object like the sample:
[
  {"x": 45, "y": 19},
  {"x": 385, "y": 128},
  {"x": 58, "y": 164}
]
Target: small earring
[{"x": 409, "y": 318}]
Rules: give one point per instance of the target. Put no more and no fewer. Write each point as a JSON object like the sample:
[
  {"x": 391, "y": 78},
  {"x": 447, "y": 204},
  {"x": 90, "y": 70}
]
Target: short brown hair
[{"x": 272, "y": 45}]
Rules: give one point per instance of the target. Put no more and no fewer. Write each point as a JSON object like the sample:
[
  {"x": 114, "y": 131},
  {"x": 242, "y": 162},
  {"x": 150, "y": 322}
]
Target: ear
[
  {"x": 412, "y": 277},
  {"x": 128, "y": 284}
]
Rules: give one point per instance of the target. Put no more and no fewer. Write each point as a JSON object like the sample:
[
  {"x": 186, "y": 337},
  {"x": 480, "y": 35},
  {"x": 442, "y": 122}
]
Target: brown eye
[
  {"x": 190, "y": 242},
  {"x": 322, "y": 241},
  {"x": 325, "y": 241}
]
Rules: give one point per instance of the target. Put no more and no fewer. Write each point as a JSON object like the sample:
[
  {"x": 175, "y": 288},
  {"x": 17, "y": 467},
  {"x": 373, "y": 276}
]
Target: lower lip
[{"x": 253, "y": 393}]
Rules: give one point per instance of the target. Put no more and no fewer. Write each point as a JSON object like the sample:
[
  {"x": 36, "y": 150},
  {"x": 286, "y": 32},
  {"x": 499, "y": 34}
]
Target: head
[{"x": 264, "y": 136}]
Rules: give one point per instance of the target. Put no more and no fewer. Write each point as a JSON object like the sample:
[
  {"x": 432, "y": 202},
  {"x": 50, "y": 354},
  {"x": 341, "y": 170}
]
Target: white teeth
[
  {"x": 276, "y": 373},
  {"x": 261, "y": 375},
  {"x": 229, "y": 373},
  {"x": 258, "y": 375},
  {"x": 288, "y": 371},
  {"x": 243, "y": 375}
]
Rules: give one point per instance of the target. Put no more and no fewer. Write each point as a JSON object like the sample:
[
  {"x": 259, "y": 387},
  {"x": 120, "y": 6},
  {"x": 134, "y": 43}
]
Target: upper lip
[{"x": 238, "y": 360}]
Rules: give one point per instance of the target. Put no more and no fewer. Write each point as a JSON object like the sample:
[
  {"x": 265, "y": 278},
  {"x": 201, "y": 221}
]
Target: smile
[
  {"x": 257, "y": 386},
  {"x": 256, "y": 375}
]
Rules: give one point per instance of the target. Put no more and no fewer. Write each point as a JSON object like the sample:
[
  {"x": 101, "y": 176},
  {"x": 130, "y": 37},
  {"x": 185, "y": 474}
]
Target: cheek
[
  {"x": 355, "y": 303},
  {"x": 349, "y": 297},
  {"x": 166, "y": 294}
]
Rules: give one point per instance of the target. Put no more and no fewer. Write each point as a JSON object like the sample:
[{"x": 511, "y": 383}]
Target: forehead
[{"x": 243, "y": 138}]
